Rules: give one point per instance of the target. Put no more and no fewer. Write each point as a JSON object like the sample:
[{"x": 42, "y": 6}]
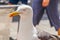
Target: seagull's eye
[{"x": 24, "y": 9}]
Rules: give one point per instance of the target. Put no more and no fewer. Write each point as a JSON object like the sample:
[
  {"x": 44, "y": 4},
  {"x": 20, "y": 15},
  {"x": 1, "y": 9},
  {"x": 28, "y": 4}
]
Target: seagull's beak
[{"x": 13, "y": 14}]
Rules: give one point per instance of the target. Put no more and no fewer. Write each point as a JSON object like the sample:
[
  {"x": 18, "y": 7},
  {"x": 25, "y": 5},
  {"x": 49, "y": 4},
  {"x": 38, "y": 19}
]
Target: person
[
  {"x": 51, "y": 7},
  {"x": 16, "y": 1}
]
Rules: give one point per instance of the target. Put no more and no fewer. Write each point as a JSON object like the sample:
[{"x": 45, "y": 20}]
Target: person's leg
[
  {"x": 52, "y": 11},
  {"x": 38, "y": 11},
  {"x": 51, "y": 24},
  {"x": 13, "y": 1},
  {"x": 24, "y": 1}
]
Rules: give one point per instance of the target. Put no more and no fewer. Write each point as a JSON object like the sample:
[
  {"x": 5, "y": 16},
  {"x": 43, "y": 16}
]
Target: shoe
[
  {"x": 45, "y": 3},
  {"x": 59, "y": 31}
]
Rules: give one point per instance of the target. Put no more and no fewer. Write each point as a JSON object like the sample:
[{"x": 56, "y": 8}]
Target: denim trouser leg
[{"x": 52, "y": 11}]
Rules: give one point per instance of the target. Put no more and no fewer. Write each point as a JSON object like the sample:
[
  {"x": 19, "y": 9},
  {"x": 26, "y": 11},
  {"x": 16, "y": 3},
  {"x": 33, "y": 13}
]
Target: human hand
[{"x": 45, "y": 3}]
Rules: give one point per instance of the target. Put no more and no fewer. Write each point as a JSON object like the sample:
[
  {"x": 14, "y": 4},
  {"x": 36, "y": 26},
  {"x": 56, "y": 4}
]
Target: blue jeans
[
  {"x": 51, "y": 10},
  {"x": 16, "y": 1}
]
